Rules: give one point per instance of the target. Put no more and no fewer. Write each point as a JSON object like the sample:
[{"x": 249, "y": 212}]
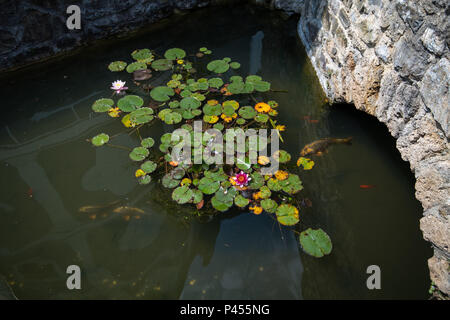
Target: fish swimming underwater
[
  {"x": 320, "y": 146},
  {"x": 98, "y": 208}
]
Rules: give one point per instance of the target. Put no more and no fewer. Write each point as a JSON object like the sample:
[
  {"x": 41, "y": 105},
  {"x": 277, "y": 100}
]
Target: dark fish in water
[
  {"x": 98, "y": 208},
  {"x": 366, "y": 186},
  {"x": 320, "y": 146},
  {"x": 128, "y": 212}
]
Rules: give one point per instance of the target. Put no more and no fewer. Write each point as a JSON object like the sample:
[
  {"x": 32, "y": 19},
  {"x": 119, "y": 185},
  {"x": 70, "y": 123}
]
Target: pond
[{"x": 362, "y": 194}]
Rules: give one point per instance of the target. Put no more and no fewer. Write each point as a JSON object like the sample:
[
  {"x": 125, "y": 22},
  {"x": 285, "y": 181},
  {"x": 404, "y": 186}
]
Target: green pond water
[{"x": 48, "y": 171}]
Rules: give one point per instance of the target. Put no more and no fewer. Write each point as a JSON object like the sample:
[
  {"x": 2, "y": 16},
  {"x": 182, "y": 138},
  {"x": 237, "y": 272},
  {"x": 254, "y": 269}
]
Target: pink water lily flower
[
  {"x": 119, "y": 86},
  {"x": 241, "y": 179}
]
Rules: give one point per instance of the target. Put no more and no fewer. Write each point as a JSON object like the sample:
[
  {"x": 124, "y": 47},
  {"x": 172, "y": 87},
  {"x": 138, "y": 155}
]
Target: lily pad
[
  {"x": 148, "y": 142},
  {"x": 287, "y": 214},
  {"x": 190, "y": 103},
  {"x": 139, "y": 154},
  {"x": 218, "y": 66},
  {"x": 132, "y": 67},
  {"x": 247, "y": 112},
  {"x": 162, "y": 64},
  {"x": 315, "y": 242},
  {"x": 141, "y": 116},
  {"x": 274, "y": 184},
  {"x": 142, "y": 54},
  {"x": 174, "y": 54},
  {"x": 265, "y": 192},
  {"x": 197, "y": 197},
  {"x": 235, "y": 65},
  {"x": 117, "y": 66},
  {"x": 215, "y": 82},
  {"x": 221, "y": 205},
  {"x": 173, "y": 118},
  {"x": 145, "y": 179},
  {"x": 169, "y": 181},
  {"x": 257, "y": 180},
  {"x": 102, "y": 105},
  {"x": 161, "y": 93},
  {"x": 212, "y": 110},
  {"x": 100, "y": 139},
  {"x": 262, "y": 117},
  {"x": 292, "y": 184},
  {"x": 306, "y": 163},
  {"x": 282, "y": 156},
  {"x": 269, "y": 205},
  {"x": 130, "y": 103},
  {"x": 208, "y": 185},
  {"x": 240, "y": 201},
  {"x": 182, "y": 194},
  {"x": 148, "y": 166}
]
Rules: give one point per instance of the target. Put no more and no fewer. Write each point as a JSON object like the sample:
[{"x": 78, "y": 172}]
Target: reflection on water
[{"x": 49, "y": 171}]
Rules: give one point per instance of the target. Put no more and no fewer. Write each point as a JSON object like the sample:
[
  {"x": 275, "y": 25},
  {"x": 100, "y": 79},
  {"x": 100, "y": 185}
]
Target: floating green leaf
[
  {"x": 139, "y": 154},
  {"x": 218, "y": 66},
  {"x": 274, "y": 184},
  {"x": 315, "y": 242},
  {"x": 265, "y": 192},
  {"x": 132, "y": 67},
  {"x": 287, "y": 214},
  {"x": 169, "y": 181},
  {"x": 257, "y": 180},
  {"x": 141, "y": 116},
  {"x": 142, "y": 55},
  {"x": 147, "y": 142},
  {"x": 130, "y": 103},
  {"x": 247, "y": 112},
  {"x": 240, "y": 201},
  {"x": 269, "y": 205},
  {"x": 161, "y": 93},
  {"x": 215, "y": 82},
  {"x": 190, "y": 103},
  {"x": 102, "y": 105},
  {"x": 145, "y": 179},
  {"x": 117, "y": 66},
  {"x": 162, "y": 64},
  {"x": 182, "y": 194},
  {"x": 292, "y": 184},
  {"x": 262, "y": 117},
  {"x": 212, "y": 110},
  {"x": 235, "y": 65},
  {"x": 282, "y": 156},
  {"x": 198, "y": 196},
  {"x": 100, "y": 139},
  {"x": 148, "y": 166},
  {"x": 174, "y": 54},
  {"x": 306, "y": 163},
  {"x": 208, "y": 185},
  {"x": 221, "y": 205}
]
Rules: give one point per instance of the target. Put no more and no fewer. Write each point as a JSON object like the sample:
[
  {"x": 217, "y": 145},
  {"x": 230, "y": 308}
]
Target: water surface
[{"x": 48, "y": 171}]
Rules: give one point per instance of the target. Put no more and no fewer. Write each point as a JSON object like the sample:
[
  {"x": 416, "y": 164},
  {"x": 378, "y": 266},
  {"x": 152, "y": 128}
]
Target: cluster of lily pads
[{"x": 189, "y": 93}]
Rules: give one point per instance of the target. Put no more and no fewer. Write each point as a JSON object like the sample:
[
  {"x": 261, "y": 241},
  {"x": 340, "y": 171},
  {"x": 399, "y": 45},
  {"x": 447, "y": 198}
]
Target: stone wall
[
  {"x": 34, "y": 29},
  {"x": 390, "y": 58}
]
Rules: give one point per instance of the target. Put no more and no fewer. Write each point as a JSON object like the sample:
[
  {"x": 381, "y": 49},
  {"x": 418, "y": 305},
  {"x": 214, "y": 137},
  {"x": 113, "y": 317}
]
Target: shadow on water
[{"x": 49, "y": 171}]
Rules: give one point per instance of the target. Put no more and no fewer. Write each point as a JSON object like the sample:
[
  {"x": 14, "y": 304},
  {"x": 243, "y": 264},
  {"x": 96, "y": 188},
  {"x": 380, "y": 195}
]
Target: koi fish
[
  {"x": 366, "y": 186},
  {"x": 128, "y": 210},
  {"x": 97, "y": 208},
  {"x": 320, "y": 146}
]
